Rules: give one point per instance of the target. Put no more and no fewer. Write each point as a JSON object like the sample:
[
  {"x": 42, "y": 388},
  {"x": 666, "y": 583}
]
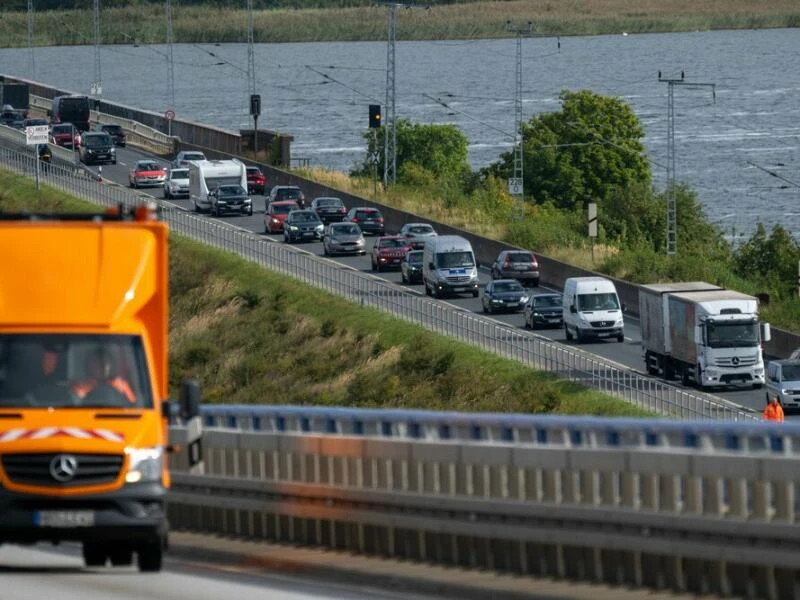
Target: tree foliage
[
  {"x": 586, "y": 152},
  {"x": 769, "y": 259},
  {"x": 425, "y": 153}
]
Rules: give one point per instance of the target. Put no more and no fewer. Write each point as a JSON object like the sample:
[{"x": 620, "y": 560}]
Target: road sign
[
  {"x": 36, "y": 134},
  {"x": 169, "y": 115},
  {"x": 592, "y": 219},
  {"x": 515, "y": 186}
]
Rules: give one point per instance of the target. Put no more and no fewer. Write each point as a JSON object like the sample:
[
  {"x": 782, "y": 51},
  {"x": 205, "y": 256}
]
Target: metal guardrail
[
  {"x": 532, "y": 350},
  {"x": 540, "y": 430},
  {"x": 718, "y": 523},
  {"x": 138, "y": 135}
]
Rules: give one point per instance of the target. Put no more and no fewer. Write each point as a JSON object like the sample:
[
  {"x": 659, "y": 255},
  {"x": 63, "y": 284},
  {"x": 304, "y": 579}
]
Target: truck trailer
[
  {"x": 702, "y": 333},
  {"x": 205, "y": 176},
  {"x": 16, "y": 96},
  {"x": 84, "y": 399}
]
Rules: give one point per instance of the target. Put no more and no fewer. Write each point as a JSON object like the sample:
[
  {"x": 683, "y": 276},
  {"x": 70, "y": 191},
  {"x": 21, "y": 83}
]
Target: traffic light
[
  {"x": 255, "y": 105},
  {"x": 374, "y": 115}
]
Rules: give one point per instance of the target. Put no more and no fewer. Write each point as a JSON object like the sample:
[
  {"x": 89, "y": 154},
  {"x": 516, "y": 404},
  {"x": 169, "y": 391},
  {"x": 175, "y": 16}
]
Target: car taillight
[
  {"x": 380, "y": 219},
  {"x": 341, "y": 210},
  {"x": 354, "y": 219}
]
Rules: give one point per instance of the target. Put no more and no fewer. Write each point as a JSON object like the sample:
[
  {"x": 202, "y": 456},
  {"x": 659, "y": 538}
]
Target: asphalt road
[
  {"x": 46, "y": 572},
  {"x": 627, "y": 353}
]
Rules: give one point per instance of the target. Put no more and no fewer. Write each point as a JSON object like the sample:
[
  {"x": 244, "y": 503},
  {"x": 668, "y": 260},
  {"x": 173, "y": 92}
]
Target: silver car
[
  {"x": 177, "y": 183},
  {"x": 343, "y": 238},
  {"x": 417, "y": 233}
]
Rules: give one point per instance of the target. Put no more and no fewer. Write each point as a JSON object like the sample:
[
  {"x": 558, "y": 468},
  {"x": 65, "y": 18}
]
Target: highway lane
[
  {"x": 627, "y": 353},
  {"x": 47, "y": 572}
]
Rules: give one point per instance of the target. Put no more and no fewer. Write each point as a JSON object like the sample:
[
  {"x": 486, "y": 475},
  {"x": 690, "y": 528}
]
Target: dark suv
[
  {"x": 115, "y": 131},
  {"x": 97, "y": 147}
]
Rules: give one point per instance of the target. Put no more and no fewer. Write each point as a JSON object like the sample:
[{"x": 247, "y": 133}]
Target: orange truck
[{"x": 84, "y": 408}]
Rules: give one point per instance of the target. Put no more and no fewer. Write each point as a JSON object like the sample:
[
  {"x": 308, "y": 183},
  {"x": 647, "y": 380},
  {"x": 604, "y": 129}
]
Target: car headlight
[
  {"x": 293, "y": 228},
  {"x": 320, "y": 227},
  {"x": 524, "y": 299},
  {"x": 618, "y": 323},
  {"x": 145, "y": 464}
]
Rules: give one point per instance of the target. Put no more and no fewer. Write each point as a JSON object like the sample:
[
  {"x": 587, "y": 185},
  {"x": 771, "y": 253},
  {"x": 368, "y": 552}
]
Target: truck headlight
[{"x": 145, "y": 464}]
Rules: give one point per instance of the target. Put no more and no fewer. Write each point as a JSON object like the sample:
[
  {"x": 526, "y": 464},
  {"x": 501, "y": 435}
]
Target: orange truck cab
[{"x": 84, "y": 409}]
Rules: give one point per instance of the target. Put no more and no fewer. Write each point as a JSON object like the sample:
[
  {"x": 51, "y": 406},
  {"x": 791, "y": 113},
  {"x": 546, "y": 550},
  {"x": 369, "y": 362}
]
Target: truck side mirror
[
  {"x": 572, "y": 309},
  {"x": 624, "y": 307},
  {"x": 430, "y": 266},
  {"x": 766, "y": 332},
  {"x": 190, "y": 397}
]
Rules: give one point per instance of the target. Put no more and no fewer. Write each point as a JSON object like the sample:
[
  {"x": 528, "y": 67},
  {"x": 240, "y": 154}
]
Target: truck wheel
[
  {"x": 757, "y": 386},
  {"x": 150, "y": 556},
  {"x": 651, "y": 370},
  {"x": 121, "y": 557},
  {"x": 685, "y": 375},
  {"x": 621, "y": 337},
  {"x": 94, "y": 555},
  {"x": 669, "y": 370}
]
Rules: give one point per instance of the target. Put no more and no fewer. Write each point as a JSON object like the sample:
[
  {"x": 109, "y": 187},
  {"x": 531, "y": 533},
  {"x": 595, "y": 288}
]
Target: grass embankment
[
  {"x": 145, "y": 24},
  {"x": 254, "y": 337}
]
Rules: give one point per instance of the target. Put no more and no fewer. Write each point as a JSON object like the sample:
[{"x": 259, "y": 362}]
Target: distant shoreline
[{"x": 474, "y": 20}]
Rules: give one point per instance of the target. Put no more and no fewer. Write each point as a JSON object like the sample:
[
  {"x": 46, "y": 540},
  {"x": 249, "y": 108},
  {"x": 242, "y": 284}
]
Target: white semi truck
[
  {"x": 205, "y": 176},
  {"x": 702, "y": 333}
]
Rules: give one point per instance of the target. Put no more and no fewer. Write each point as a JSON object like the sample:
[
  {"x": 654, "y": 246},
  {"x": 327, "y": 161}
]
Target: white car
[
  {"x": 177, "y": 183},
  {"x": 186, "y": 156}
]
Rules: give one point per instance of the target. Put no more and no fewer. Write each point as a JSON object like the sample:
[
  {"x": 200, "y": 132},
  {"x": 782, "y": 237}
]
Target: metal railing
[
  {"x": 532, "y": 350},
  {"x": 684, "y": 520}
]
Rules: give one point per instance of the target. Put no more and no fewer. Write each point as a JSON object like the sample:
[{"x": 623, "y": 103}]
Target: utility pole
[
  {"x": 516, "y": 185},
  {"x": 97, "y": 84},
  {"x": 170, "y": 63},
  {"x": 255, "y": 100},
  {"x": 30, "y": 39},
  {"x": 390, "y": 132},
  {"x": 672, "y": 218}
]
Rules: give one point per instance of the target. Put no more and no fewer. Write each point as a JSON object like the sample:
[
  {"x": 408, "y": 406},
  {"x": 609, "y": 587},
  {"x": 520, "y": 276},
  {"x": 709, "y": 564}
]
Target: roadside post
[
  {"x": 35, "y": 135},
  {"x": 593, "y": 225}
]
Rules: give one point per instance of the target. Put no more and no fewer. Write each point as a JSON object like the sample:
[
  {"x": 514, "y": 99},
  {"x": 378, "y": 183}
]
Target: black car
[
  {"x": 302, "y": 226},
  {"x": 544, "y": 310},
  {"x": 411, "y": 267},
  {"x": 329, "y": 209},
  {"x": 370, "y": 220},
  {"x": 504, "y": 295},
  {"x": 97, "y": 147},
  {"x": 287, "y": 192},
  {"x": 115, "y": 131},
  {"x": 230, "y": 198}
]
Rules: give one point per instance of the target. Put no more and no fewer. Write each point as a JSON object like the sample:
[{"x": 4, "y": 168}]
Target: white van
[
  {"x": 448, "y": 266},
  {"x": 592, "y": 309}
]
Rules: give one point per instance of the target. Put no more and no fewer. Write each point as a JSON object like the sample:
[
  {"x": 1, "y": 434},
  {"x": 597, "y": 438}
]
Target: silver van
[
  {"x": 449, "y": 266},
  {"x": 783, "y": 380}
]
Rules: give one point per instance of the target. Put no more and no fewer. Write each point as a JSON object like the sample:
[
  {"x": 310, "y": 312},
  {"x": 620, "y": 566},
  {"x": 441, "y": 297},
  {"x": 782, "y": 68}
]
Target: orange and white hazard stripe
[{"x": 44, "y": 433}]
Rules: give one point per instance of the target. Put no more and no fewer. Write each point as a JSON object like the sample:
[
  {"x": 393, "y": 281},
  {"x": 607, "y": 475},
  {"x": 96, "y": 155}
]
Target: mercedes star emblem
[
  {"x": 735, "y": 361},
  {"x": 63, "y": 467}
]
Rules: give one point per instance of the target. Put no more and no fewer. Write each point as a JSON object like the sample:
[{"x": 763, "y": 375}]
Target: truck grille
[
  {"x": 41, "y": 469},
  {"x": 602, "y": 323},
  {"x": 736, "y": 361},
  {"x": 460, "y": 279}
]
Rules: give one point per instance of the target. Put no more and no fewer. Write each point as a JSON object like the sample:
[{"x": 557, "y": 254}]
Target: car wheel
[
  {"x": 130, "y": 183},
  {"x": 166, "y": 194},
  {"x": 535, "y": 283},
  {"x": 403, "y": 278},
  {"x": 196, "y": 208},
  {"x": 250, "y": 213},
  {"x": 325, "y": 250},
  {"x": 528, "y": 324},
  {"x": 475, "y": 294},
  {"x": 567, "y": 334}
]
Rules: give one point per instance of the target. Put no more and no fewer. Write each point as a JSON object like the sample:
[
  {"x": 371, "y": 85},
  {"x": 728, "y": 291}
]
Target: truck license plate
[{"x": 64, "y": 518}]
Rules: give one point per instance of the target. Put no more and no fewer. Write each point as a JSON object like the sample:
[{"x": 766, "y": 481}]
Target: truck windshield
[
  {"x": 454, "y": 260},
  {"x": 732, "y": 335},
  {"x": 73, "y": 371},
  {"x": 590, "y": 302}
]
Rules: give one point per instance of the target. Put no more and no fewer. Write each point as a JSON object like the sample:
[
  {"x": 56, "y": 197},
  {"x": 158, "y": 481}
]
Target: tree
[
  {"x": 586, "y": 152},
  {"x": 423, "y": 151},
  {"x": 770, "y": 259}
]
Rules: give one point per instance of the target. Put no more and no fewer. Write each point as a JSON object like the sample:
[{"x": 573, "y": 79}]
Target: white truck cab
[{"x": 592, "y": 309}]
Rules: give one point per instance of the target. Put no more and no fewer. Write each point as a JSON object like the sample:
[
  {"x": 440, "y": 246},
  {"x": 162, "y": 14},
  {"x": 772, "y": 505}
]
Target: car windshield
[
  {"x": 305, "y": 217},
  {"x": 253, "y": 171},
  {"x": 194, "y": 156},
  {"x": 73, "y": 371},
  {"x": 590, "y": 302},
  {"x": 112, "y": 128},
  {"x": 231, "y": 190},
  {"x": 454, "y": 260},
  {"x": 546, "y": 301},
  {"x": 392, "y": 243},
  {"x": 328, "y": 202},
  {"x": 96, "y": 141},
  {"x": 62, "y": 129},
  {"x": 791, "y": 372},
  {"x": 149, "y": 166},
  {"x": 180, "y": 174},
  {"x": 508, "y": 286},
  {"x": 415, "y": 258},
  {"x": 345, "y": 230},
  {"x": 420, "y": 229},
  {"x": 288, "y": 193},
  {"x": 519, "y": 257}
]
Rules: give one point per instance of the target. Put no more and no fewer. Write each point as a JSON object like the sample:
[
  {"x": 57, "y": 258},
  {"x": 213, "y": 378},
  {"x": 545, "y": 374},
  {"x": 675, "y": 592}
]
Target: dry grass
[{"x": 472, "y": 20}]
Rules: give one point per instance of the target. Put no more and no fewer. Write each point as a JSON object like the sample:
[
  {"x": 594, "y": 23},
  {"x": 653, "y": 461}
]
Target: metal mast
[
  {"x": 390, "y": 134},
  {"x": 170, "y": 64},
  {"x": 251, "y": 57},
  {"x": 97, "y": 84},
  {"x": 517, "y": 185},
  {"x": 30, "y": 39},
  {"x": 672, "y": 205}
]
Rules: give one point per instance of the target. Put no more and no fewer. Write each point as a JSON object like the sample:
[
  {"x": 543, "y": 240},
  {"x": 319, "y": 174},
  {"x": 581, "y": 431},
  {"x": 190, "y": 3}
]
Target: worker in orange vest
[
  {"x": 773, "y": 411},
  {"x": 100, "y": 368}
]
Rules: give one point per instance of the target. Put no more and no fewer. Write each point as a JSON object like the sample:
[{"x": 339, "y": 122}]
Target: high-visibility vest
[{"x": 773, "y": 412}]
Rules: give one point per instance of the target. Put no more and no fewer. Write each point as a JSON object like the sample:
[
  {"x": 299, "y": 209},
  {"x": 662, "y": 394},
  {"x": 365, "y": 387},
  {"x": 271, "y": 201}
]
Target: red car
[
  {"x": 147, "y": 173},
  {"x": 389, "y": 251},
  {"x": 256, "y": 182},
  {"x": 66, "y": 136},
  {"x": 276, "y": 214}
]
